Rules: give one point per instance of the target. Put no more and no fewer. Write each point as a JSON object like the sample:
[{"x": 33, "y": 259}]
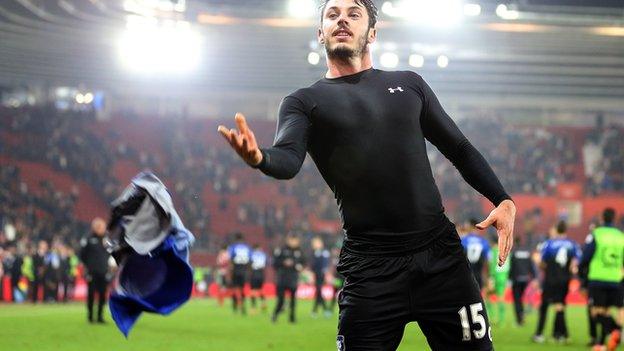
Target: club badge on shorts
[{"x": 340, "y": 343}]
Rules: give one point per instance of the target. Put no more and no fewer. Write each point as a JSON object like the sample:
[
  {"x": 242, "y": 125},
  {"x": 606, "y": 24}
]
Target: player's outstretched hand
[
  {"x": 502, "y": 218},
  {"x": 243, "y": 141}
]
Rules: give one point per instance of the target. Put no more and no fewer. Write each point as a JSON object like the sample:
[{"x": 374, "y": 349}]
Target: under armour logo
[{"x": 392, "y": 90}]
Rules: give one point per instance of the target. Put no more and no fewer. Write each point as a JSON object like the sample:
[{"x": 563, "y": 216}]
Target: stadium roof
[{"x": 561, "y": 49}]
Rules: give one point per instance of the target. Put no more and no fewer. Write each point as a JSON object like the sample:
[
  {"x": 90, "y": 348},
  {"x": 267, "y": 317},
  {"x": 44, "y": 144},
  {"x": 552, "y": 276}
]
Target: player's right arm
[{"x": 284, "y": 159}]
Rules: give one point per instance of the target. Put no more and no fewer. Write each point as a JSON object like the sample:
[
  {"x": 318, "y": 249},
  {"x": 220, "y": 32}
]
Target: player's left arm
[{"x": 442, "y": 132}]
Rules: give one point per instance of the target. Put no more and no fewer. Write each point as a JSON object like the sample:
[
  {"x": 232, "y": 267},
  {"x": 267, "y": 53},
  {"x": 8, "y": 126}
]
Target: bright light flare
[
  {"x": 435, "y": 13},
  {"x": 443, "y": 61},
  {"x": 151, "y": 47},
  {"x": 301, "y": 8},
  {"x": 389, "y": 59},
  {"x": 88, "y": 98},
  {"x": 472, "y": 10},
  {"x": 504, "y": 12},
  {"x": 314, "y": 58},
  {"x": 416, "y": 60}
]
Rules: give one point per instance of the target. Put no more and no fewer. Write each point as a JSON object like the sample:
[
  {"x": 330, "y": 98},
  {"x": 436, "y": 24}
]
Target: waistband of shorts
[{"x": 394, "y": 244}]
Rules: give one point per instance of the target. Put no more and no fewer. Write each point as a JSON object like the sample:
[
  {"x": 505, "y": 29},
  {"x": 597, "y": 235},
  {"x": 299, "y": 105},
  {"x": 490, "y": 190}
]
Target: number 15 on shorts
[{"x": 477, "y": 319}]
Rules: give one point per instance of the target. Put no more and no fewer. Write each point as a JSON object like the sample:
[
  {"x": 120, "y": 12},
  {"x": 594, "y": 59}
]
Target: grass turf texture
[{"x": 202, "y": 325}]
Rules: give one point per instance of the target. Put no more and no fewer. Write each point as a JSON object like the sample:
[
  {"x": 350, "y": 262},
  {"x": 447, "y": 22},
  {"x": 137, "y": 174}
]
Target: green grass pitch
[{"x": 202, "y": 325}]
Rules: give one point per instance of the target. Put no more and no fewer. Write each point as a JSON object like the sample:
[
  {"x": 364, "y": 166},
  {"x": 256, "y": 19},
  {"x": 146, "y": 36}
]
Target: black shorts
[
  {"x": 257, "y": 281},
  {"x": 479, "y": 280},
  {"x": 239, "y": 278},
  {"x": 555, "y": 292},
  {"x": 606, "y": 296},
  {"x": 434, "y": 287}
]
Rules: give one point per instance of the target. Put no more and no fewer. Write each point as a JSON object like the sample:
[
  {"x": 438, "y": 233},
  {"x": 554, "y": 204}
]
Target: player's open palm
[
  {"x": 243, "y": 140},
  {"x": 502, "y": 218}
]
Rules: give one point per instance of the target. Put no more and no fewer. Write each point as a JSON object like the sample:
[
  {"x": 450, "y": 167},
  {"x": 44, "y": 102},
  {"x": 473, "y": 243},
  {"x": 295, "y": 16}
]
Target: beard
[{"x": 344, "y": 53}]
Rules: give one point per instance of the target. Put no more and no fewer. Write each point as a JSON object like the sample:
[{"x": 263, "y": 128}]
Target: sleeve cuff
[
  {"x": 263, "y": 162},
  {"x": 502, "y": 198}
]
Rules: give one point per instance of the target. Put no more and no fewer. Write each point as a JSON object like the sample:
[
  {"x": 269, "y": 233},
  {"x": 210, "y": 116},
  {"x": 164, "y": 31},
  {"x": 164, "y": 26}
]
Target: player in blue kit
[
  {"x": 559, "y": 260},
  {"x": 477, "y": 251},
  {"x": 258, "y": 266},
  {"x": 240, "y": 258}
]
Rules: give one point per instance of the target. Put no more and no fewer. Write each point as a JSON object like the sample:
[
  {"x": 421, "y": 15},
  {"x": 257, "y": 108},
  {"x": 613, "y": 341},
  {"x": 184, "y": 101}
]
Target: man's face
[
  {"x": 98, "y": 226},
  {"x": 344, "y": 29},
  {"x": 317, "y": 244},
  {"x": 43, "y": 246},
  {"x": 292, "y": 241}
]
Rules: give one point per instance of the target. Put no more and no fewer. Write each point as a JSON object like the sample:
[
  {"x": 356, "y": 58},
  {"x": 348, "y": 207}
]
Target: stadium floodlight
[
  {"x": 416, "y": 60},
  {"x": 148, "y": 46},
  {"x": 88, "y": 98},
  {"x": 504, "y": 12},
  {"x": 435, "y": 13},
  {"x": 301, "y": 8},
  {"x": 145, "y": 7},
  {"x": 389, "y": 59},
  {"x": 314, "y": 58},
  {"x": 443, "y": 61},
  {"x": 472, "y": 10}
]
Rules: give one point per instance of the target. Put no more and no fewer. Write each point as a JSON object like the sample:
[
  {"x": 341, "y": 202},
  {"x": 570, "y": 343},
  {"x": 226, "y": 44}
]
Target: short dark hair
[
  {"x": 371, "y": 9},
  {"x": 562, "y": 227},
  {"x": 608, "y": 215},
  {"x": 238, "y": 236}
]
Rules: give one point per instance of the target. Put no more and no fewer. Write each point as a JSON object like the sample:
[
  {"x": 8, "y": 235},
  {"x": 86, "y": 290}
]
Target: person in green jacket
[
  {"x": 499, "y": 275},
  {"x": 603, "y": 255},
  {"x": 28, "y": 270}
]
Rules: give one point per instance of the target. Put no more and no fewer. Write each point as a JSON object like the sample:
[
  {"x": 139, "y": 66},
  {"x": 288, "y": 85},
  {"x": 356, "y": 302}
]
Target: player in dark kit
[
  {"x": 288, "y": 263},
  {"x": 477, "y": 251},
  {"x": 258, "y": 265},
  {"x": 559, "y": 260},
  {"x": 320, "y": 263},
  {"x": 521, "y": 272},
  {"x": 240, "y": 258},
  {"x": 365, "y": 129}
]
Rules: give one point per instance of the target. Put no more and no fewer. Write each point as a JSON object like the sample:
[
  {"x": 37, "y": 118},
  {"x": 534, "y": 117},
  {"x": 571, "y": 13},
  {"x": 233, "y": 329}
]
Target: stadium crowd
[
  {"x": 40, "y": 234},
  {"x": 528, "y": 159}
]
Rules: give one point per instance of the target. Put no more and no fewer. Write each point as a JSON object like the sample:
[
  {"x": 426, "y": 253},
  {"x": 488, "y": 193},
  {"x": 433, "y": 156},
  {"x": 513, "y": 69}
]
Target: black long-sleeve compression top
[{"x": 366, "y": 134}]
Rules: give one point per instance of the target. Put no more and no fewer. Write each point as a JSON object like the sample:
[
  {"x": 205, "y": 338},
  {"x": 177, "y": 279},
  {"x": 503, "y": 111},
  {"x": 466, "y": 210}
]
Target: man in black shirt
[
  {"x": 319, "y": 265},
  {"x": 288, "y": 263},
  {"x": 94, "y": 256},
  {"x": 39, "y": 269},
  {"x": 522, "y": 272},
  {"x": 12, "y": 263},
  {"x": 365, "y": 129}
]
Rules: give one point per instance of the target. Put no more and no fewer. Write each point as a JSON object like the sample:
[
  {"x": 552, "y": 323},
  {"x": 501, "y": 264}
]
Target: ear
[
  {"x": 319, "y": 36},
  {"x": 372, "y": 35}
]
